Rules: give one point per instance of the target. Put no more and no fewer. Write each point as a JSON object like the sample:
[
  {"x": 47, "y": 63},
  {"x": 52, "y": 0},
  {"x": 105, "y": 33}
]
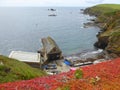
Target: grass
[
  {"x": 111, "y": 6},
  {"x": 14, "y": 70},
  {"x": 106, "y": 8},
  {"x": 114, "y": 42}
]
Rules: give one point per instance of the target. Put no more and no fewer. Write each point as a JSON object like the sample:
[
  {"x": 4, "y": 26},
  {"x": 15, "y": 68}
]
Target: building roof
[{"x": 25, "y": 56}]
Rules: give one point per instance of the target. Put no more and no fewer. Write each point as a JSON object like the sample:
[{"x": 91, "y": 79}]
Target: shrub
[{"x": 78, "y": 74}]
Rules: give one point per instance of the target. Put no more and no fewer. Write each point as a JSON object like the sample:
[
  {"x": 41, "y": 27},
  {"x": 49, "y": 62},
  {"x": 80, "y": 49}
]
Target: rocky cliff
[{"x": 108, "y": 19}]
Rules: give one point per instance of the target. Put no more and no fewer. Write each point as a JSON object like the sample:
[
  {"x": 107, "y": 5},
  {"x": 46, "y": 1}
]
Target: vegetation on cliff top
[
  {"x": 13, "y": 70},
  {"x": 108, "y": 19},
  {"x": 104, "y": 9}
]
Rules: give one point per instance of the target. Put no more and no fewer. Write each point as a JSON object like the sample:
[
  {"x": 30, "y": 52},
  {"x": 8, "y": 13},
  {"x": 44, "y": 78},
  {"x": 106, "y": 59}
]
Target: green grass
[
  {"x": 107, "y": 9},
  {"x": 111, "y": 6},
  {"x": 13, "y": 70}
]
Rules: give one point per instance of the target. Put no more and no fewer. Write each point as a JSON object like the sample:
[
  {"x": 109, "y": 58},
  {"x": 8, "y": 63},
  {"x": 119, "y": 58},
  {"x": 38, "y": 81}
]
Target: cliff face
[{"x": 108, "y": 19}]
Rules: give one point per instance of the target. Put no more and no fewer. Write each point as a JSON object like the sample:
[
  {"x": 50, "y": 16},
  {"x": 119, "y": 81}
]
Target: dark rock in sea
[
  {"x": 52, "y": 9},
  {"x": 92, "y": 20},
  {"x": 89, "y": 24},
  {"x": 81, "y": 9},
  {"x": 52, "y": 15}
]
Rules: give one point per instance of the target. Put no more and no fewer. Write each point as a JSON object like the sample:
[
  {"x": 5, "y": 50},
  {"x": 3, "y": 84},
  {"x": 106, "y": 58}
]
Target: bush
[{"x": 79, "y": 74}]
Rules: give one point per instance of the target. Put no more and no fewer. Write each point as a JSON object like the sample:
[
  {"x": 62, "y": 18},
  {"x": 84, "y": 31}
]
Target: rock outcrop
[{"x": 50, "y": 50}]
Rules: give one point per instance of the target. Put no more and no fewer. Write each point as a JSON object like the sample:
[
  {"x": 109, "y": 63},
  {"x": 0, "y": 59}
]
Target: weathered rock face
[
  {"x": 50, "y": 50},
  {"x": 109, "y": 22},
  {"x": 102, "y": 42}
]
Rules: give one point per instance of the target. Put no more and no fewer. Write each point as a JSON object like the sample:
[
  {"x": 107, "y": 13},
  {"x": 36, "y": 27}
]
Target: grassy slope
[
  {"x": 108, "y": 15},
  {"x": 110, "y": 6},
  {"x": 105, "y": 8},
  {"x": 12, "y": 70}
]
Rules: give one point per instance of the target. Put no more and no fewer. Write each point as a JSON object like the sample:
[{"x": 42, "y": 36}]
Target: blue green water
[{"x": 22, "y": 28}]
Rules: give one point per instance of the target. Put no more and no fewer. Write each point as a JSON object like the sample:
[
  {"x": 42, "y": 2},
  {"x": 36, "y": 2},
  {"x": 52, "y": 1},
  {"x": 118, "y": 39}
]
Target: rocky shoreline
[{"x": 109, "y": 35}]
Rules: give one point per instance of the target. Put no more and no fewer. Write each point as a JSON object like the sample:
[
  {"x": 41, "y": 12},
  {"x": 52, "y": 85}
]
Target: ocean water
[{"x": 22, "y": 28}]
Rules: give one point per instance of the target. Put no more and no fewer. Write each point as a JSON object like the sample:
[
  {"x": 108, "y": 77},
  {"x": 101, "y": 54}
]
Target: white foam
[
  {"x": 85, "y": 55},
  {"x": 72, "y": 57},
  {"x": 91, "y": 54}
]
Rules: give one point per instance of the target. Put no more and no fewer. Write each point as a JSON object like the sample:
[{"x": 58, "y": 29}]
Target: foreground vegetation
[
  {"x": 109, "y": 21},
  {"x": 102, "y": 76},
  {"x": 13, "y": 70}
]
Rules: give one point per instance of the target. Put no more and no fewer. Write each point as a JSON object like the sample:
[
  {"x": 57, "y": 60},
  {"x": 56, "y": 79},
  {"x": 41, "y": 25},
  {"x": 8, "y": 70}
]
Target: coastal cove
[
  {"x": 61, "y": 48},
  {"x": 22, "y": 29}
]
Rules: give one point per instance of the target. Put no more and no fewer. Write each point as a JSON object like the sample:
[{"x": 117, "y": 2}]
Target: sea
[{"x": 21, "y": 29}]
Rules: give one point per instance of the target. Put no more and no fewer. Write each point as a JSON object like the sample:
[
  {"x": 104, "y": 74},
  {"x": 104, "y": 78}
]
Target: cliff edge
[{"x": 109, "y": 22}]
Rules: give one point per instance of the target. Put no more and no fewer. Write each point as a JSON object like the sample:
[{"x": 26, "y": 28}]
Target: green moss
[{"x": 13, "y": 70}]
